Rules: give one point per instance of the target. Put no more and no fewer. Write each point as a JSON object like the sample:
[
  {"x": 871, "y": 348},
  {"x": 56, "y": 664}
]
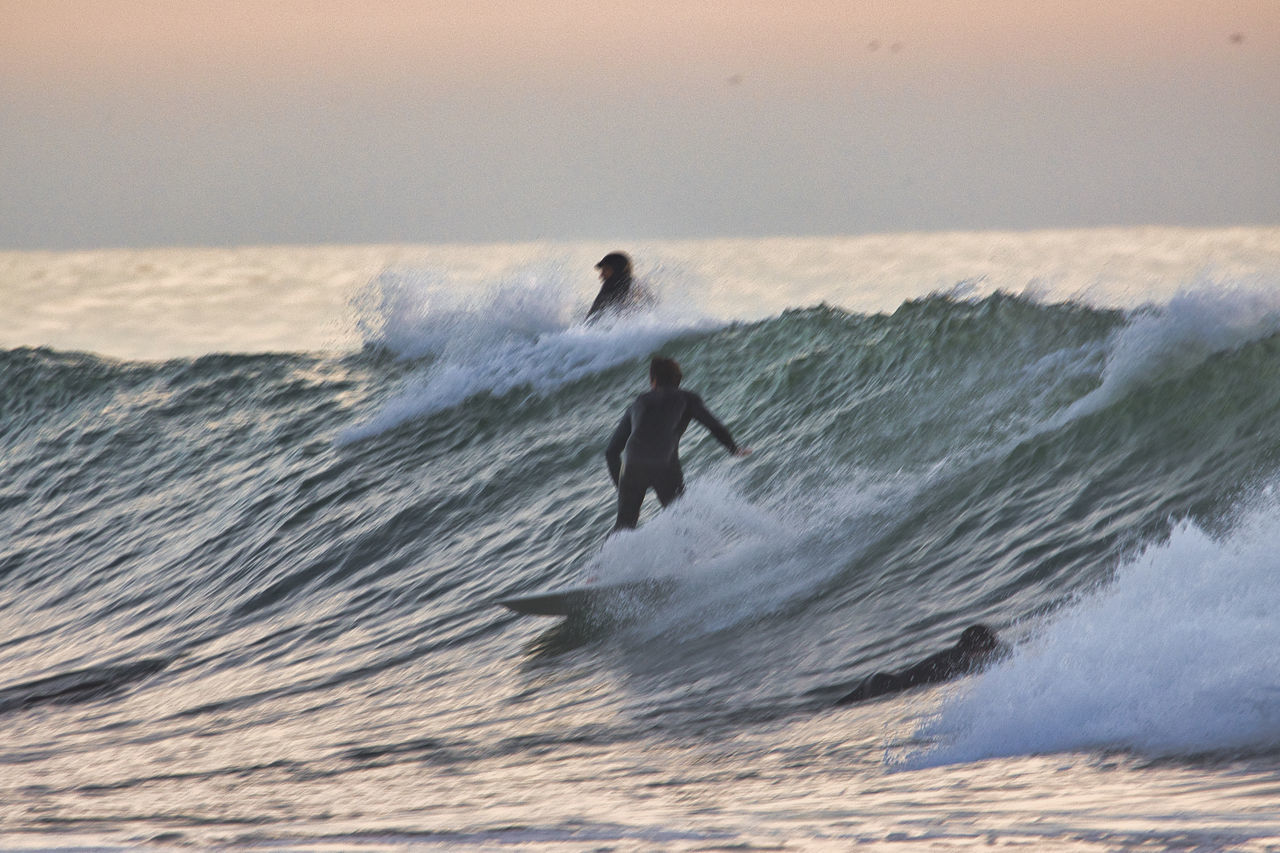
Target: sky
[{"x": 146, "y": 123}]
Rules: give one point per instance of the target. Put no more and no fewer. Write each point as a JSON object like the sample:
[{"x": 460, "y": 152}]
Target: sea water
[{"x": 257, "y": 505}]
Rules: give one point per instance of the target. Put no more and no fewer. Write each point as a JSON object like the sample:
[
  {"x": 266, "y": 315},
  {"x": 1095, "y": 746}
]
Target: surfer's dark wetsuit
[
  {"x": 644, "y": 452},
  {"x": 977, "y": 647},
  {"x": 615, "y": 287},
  {"x": 614, "y": 296}
]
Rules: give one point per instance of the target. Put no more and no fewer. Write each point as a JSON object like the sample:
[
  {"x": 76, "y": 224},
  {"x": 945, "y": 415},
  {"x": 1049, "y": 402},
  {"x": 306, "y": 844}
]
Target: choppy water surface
[{"x": 246, "y": 592}]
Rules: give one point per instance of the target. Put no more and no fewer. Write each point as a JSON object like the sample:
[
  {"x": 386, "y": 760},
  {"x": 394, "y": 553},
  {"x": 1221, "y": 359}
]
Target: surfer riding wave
[{"x": 644, "y": 451}]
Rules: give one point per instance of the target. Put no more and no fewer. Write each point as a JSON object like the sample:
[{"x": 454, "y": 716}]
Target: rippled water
[{"x": 250, "y": 561}]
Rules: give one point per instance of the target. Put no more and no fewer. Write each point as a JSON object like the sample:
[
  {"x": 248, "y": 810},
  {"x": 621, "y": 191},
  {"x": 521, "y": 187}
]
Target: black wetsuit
[
  {"x": 977, "y": 648},
  {"x": 614, "y": 296},
  {"x": 644, "y": 452}
]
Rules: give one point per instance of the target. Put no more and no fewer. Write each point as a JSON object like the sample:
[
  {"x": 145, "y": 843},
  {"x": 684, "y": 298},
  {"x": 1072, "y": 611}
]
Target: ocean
[{"x": 257, "y": 506}]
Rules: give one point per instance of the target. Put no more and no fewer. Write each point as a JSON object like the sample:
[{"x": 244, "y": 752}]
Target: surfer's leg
[
  {"x": 631, "y": 488},
  {"x": 669, "y": 484}
]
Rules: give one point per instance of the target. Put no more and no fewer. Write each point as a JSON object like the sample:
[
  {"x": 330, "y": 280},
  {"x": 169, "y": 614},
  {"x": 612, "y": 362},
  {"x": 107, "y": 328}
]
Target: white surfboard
[{"x": 591, "y": 598}]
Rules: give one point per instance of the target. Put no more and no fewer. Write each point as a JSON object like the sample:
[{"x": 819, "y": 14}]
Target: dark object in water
[{"x": 977, "y": 647}]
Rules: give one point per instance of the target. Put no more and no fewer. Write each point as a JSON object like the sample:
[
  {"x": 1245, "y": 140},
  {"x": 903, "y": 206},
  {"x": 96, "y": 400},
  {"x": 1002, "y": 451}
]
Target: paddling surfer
[
  {"x": 977, "y": 647},
  {"x": 644, "y": 451}
]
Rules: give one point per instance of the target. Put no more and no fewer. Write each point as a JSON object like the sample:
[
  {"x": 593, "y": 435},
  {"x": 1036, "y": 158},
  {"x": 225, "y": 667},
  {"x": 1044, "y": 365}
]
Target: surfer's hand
[{"x": 742, "y": 451}]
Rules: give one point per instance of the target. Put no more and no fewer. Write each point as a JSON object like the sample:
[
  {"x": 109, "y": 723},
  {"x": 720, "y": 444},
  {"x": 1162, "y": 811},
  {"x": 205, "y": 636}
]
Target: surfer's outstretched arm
[{"x": 699, "y": 412}]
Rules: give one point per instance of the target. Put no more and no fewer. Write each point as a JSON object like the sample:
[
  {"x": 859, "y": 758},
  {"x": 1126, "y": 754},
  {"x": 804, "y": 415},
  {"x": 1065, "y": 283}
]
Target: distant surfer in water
[
  {"x": 644, "y": 452},
  {"x": 616, "y": 292},
  {"x": 977, "y": 647}
]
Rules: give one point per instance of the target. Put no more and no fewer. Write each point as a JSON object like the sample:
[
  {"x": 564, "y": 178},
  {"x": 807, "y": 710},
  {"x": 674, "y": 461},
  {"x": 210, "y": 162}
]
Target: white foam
[
  {"x": 739, "y": 558},
  {"x": 525, "y": 331},
  {"x": 1171, "y": 340},
  {"x": 1179, "y": 655}
]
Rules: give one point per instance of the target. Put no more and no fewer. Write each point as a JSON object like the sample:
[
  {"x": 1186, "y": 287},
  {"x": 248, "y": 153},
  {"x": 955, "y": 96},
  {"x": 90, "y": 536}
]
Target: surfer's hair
[{"x": 665, "y": 372}]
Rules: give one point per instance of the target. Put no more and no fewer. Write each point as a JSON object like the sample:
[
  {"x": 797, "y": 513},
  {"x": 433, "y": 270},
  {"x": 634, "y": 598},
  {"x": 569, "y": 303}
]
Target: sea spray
[
  {"x": 1167, "y": 341},
  {"x": 1175, "y": 656},
  {"x": 520, "y": 333}
]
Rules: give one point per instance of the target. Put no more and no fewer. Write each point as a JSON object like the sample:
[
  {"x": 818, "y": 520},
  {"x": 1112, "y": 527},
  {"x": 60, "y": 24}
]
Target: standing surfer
[{"x": 644, "y": 451}]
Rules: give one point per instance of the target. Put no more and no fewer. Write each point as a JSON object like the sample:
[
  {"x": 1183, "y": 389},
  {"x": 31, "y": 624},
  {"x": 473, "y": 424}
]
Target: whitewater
[{"x": 257, "y": 506}]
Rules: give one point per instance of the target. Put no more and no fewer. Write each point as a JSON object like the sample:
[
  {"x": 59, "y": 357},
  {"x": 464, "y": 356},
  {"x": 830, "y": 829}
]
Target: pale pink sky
[
  {"x": 143, "y": 122},
  {"x": 113, "y": 44}
]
